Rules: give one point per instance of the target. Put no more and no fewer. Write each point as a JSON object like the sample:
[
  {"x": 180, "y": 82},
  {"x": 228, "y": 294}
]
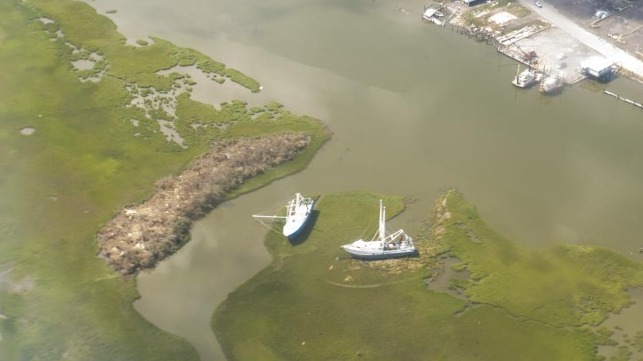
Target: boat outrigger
[
  {"x": 298, "y": 211},
  {"x": 382, "y": 245}
]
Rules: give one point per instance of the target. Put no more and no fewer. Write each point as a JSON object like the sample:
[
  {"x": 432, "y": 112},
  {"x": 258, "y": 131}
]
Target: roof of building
[
  {"x": 470, "y": 2},
  {"x": 596, "y": 63}
]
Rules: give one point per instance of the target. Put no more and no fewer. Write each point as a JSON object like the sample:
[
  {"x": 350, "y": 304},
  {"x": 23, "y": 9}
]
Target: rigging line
[
  {"x": 366, "y": 230},
  {"x": 269, "y": 227},
  {"x": 274, "y": 210},
  {"x": 257, "y": 216}
]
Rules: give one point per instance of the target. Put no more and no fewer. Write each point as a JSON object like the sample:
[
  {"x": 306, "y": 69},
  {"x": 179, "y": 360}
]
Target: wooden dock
[
  {"x": 513, "y": 53},
  {"x": 629, "y": 101}
]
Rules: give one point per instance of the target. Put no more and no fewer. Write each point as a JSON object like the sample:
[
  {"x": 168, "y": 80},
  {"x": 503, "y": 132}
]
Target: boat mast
[
  {"x": 292, "y": 204},
  {"x": 382, "y": 222}
]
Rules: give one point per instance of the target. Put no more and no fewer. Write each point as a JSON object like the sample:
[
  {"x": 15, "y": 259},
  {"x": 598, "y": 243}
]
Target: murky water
[{"x": 414, "y": 110}]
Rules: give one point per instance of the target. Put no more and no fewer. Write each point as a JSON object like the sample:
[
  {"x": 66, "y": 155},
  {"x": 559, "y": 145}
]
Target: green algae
[
  {"x": 92, "y": 153},
  {"x": 314, "y": 303}
]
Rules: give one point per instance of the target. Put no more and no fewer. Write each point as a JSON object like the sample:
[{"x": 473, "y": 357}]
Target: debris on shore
[
  {"x": 140, "y": 236},
  {"x": 559, "y": 45}
]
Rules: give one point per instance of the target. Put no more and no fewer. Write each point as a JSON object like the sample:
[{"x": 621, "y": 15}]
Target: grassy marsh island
[
  {"x": 314, "y": 303},
  {"x": 88, "y": 125},
  {"x": 140, "y": 236}
]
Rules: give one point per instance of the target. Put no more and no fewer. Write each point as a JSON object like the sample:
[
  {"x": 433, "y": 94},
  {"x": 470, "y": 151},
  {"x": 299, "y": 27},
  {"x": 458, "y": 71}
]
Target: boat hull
[
  {"x": 551, "y": 85},
  {"x": 527, "y": 78},
  {"x": 384, "y": 245},
  {"x": 527, "y": 83},
  {"x": 382, "y": 254},
  {"x": 296, "y": 224},
  {"x": 378, "y": 250},
  {"x": 293, "y": 230}
]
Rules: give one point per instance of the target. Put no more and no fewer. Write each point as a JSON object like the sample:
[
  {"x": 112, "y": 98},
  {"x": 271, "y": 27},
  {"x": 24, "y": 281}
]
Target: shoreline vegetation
[
  {"x": 90, "y": 124},
  {"x": 501, "y": 301},
  {"x": 140, "y": 236},
  {"x": 105, "y": 125}
]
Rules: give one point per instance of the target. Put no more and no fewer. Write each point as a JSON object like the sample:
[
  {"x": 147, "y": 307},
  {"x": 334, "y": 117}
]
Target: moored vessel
[
  {"x": 432, "y": 14},
  {"x": 526, "y": 78},
  {"x": 551, "y": 85}
]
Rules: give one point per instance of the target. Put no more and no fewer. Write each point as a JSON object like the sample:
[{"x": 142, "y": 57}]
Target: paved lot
[
  {"x": 563, "y": 33},
  {"x": 623, "y": 28},
  {"x": 558, "y": 53},
  {"x": 588, "y": 35}
]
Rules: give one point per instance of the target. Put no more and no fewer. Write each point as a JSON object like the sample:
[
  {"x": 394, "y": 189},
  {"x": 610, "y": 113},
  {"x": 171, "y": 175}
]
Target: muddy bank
[{"x": 140, "y": 236}]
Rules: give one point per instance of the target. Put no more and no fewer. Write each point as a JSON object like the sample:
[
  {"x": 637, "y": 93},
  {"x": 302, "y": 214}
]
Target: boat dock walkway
[
  {"x": 556, "y": 48},
  {"x": 518, "y": 54},
  {"x": 540, "y": 46},
  {"x": 629, "y": 101}
]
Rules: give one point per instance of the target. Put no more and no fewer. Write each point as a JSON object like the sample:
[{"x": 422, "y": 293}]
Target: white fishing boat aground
[
  {"x": 382, "y": 245},
  {"x": 298, "y": 211}
]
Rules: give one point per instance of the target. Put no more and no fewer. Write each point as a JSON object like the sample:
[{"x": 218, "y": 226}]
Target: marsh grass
[
  {"x": 314, "y": 303},
  {"x": 564, "y": 285},
  {"x": 85, "y": 161}
]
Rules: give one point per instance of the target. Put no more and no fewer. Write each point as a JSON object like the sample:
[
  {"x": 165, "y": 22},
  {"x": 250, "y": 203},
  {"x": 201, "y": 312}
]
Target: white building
[{"x": 597, "y": 67}]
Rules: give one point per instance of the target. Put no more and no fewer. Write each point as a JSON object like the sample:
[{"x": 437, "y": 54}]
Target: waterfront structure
[{"x": 597, "y": 67}]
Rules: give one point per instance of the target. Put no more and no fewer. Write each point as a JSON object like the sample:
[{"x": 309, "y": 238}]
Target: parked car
[{"x": 538, "y": 3}]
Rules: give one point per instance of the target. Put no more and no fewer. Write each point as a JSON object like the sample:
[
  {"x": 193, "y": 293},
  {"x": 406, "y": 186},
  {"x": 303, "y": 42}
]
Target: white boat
[
  {"x": 298, "y": 211},
  {"x": 431, "y": 14},
  {"x": 382, "y": 245},
  {"x": 526, "y": 78},
  {"x": 551, "y": 85}
]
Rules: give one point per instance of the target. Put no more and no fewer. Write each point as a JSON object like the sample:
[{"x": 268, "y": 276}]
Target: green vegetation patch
[
  {"x": 566, "y": 285},
  {"x": 315, "y": 303},
  {"x": 73, "y": 153}
]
